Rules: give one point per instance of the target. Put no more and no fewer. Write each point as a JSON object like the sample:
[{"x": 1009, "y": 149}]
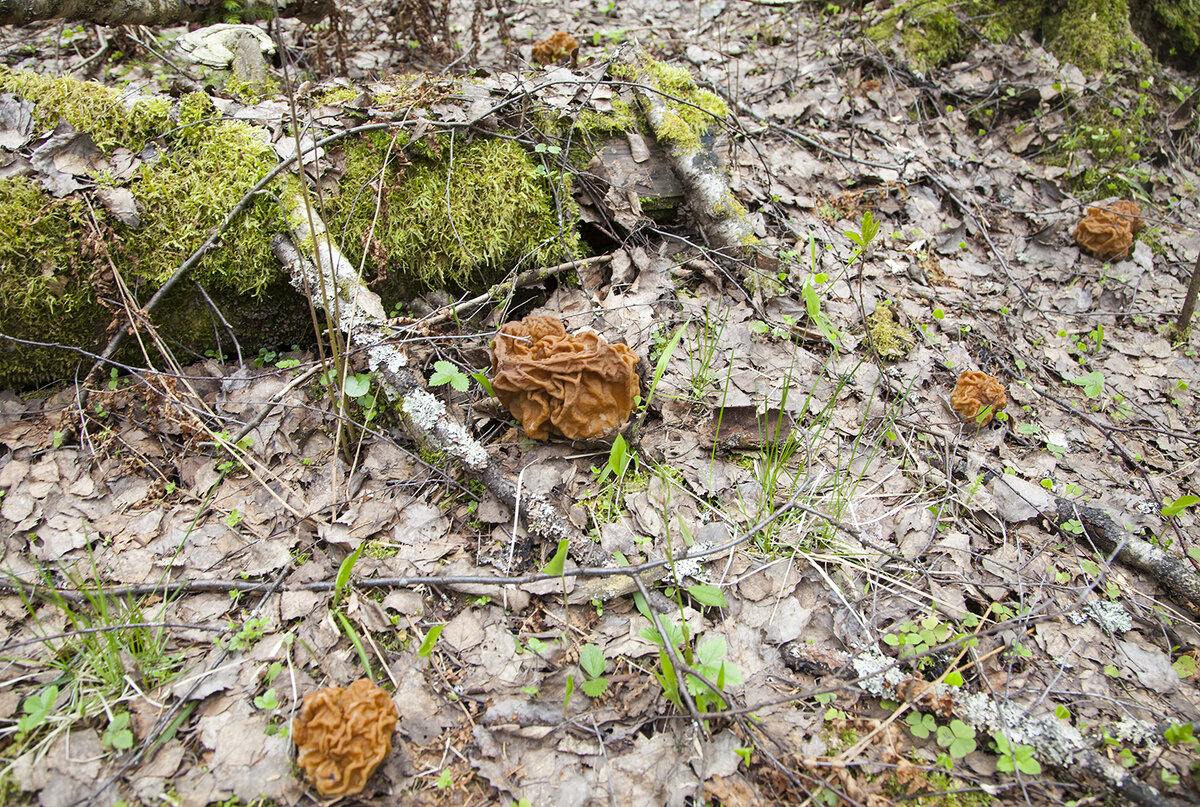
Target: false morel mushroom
[
  {"x": 1107, "y": 231},
  {"x": 342, "y": 735},
  {"x": 976, "y": 391},
  {"x": 576, "y": 385}
]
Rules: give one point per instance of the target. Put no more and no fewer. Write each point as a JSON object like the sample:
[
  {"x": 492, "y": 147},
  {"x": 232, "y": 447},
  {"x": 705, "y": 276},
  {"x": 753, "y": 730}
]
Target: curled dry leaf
[
  {"x": 342, "y": 735},
  {"x": 575, "y": 385},
  {"x": 1107, "y": 232},
  {"x": 976, "y": 391}
]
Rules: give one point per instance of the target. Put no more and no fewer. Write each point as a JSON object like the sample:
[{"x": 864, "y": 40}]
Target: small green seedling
[
  {"x": 957, "y": 738},
  {"x": 430, "y": 640},
  {"x": 37, "y": 708},
  {"x": 118, "y": 736},
  {"x": 591, "y": 659},
  {"x": 445, "y": 372},
  {"x": 1015, "y": 757}
]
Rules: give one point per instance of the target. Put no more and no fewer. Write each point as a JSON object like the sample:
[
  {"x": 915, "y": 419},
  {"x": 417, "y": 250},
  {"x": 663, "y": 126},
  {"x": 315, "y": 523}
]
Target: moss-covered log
[
  {"x": 1088, "y": 33},
  {"x": 153, "y": 12},
  {"x": 426, "y": 183}
]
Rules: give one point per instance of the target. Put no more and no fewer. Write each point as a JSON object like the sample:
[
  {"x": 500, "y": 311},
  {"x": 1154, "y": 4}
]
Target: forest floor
[{"x": 904, "y": 606}]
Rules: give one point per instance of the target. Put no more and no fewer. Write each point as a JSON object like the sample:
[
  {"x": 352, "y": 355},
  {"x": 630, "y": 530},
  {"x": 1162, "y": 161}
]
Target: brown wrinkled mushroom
[
  {"x": 976, "y": 391},
  {"x": 576, "y": 385},
  {"x": 554, "y": 47},
  {"x": 342, "y": 735},
  {"x": 1107, "y": 232}
]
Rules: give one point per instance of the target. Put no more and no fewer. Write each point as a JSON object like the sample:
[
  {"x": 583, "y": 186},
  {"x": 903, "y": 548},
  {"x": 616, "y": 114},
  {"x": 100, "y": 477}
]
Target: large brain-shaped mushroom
[
  {"x": 1107, "y": 232},
  {"x": 342, "y": 735},
  {"x": 974, "y": 392},
  {"x": 576, "y": 385}
]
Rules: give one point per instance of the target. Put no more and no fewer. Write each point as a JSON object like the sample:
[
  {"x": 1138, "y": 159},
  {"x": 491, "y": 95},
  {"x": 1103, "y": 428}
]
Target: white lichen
[
  {"x": 694, "y": 567},
  {"x": 423, "y": 410},
  {"x": 880, "y": 684},
  {"x": 1054, "y": 740},
  {"x": 1138, "y": 732},
  {"x": 1110, "y": 616},
  {"x": 462, "y": 445}
]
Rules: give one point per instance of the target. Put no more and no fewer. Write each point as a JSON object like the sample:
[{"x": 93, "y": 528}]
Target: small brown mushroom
[
  {"x": 557, "y": 46},
  {"x": 342, "y": 735},
  {"x": 1107, "y": 232},
  {"x": 976, "y": 391},
  {"x": 576, "y": 385}
]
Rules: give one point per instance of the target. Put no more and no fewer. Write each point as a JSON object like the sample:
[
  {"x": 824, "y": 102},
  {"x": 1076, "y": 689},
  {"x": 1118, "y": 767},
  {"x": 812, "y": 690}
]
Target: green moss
[
  {"x": 334, "y": 95},
  {"x": 929, "y": 31},
  {"x": 188, "y": 191},
  {"x": 56, "y": 253},
  {"x": 621, "y": 119},
  {"x": 892, "y": 340},
  {"x": 1089, "y": 33},
  {"x": 90, "y": 108},
  {"x": 460, "y": 228},
  {"x": 691, "y": 112}
]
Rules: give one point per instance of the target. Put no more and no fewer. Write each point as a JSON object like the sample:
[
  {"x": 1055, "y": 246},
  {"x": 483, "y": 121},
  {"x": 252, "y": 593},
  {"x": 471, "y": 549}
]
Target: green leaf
[
  {"x": 357, "y": 385},
  {"x": 594, "y": 687},
  {"x": 707, "y": 595},
  {"x": 1185, "y": 666},
  {"x": 430, "y": 640},
  {"x": 570, "y": 691},
  {"x": 444, "y": 779},
  {"x": 711, "y": 650},
  {"x": 591, "y": 659},
  {"x": 1025, "y": 761},
  {"x": 921, "y": 725},
  {"x": 447, "y": 372},
  {"x": 484, "y": 383},
  {"x": 953, "y": 679},
  {"x": 1176, "y": 507},
  {"x": 343, "y": 575},
  {"x": 1092, "y": 383},
  {"x": 557, "y": 564}
]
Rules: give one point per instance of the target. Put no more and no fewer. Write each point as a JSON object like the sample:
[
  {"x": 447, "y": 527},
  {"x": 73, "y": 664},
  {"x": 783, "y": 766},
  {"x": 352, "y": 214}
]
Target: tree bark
[{"x": 149, "y": 12}]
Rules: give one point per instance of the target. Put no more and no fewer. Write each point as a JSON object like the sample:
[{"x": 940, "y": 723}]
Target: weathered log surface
[{"x": 147, "y": 12}]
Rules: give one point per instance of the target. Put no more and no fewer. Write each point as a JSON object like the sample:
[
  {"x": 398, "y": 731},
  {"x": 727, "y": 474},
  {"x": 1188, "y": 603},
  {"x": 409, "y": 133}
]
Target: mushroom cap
[
  {"x": 342, "y": 735},
  {"x": 975, "y": 391},
  {"x": 577, "y": 385},
  {"x": 1107, "y": 231}
]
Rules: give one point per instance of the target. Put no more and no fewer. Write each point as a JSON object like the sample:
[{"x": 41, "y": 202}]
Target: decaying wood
[
  {"x": 1101, "y": 531},
  {"x": 149, "y": 12}
]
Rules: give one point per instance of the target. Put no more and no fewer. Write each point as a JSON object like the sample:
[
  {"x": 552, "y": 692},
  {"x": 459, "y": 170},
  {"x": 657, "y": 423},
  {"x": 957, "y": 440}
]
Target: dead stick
[{"x": 1189, "y": 302}]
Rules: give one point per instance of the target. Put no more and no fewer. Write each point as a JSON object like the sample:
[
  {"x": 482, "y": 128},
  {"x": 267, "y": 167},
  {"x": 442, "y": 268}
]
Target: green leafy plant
[
  {"x": 921, "y": 725},
  {"x": 445, "y": 372},
  {"x": 592, "y": 661},
  {"x": 1177, "y": 506},
  {"x": 1015, "y": 757},
  {"x": 37, "y": 709},
  {"x": 957, "y": 738},
  {"x": 267, "y": 701},
  {"x": 430, "y": 640},
  {"x": 1092, "y": 383},
  {"x": 118, "y": 736},
  {"x": 248, "y": 635}
]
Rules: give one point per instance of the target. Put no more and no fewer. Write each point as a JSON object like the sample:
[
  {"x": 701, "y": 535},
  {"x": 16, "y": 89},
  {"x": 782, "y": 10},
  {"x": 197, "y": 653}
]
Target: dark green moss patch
[{"x": 458, "y": 221}]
